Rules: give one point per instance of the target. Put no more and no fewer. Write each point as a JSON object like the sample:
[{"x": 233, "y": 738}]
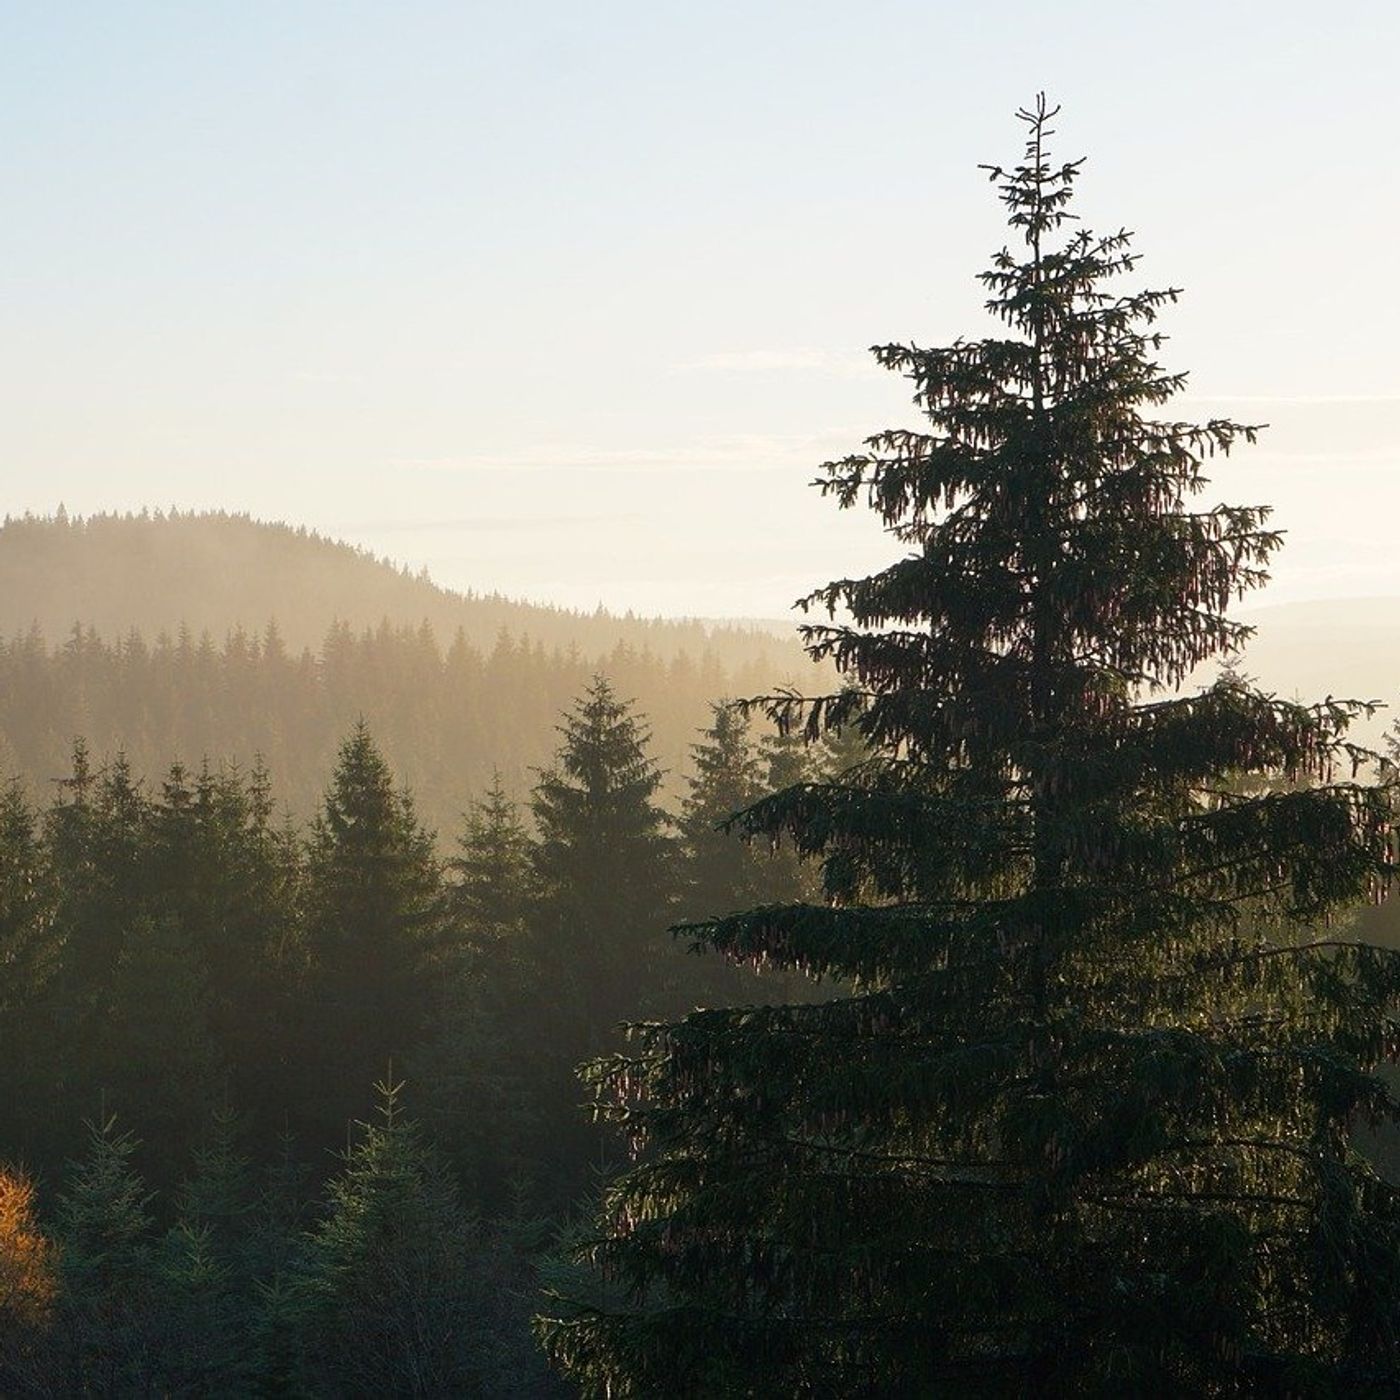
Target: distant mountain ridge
[
  {"x": 185, "y": 637},
  {"x": 214, "y": 571},
  {"x": 197, "y": 573}
]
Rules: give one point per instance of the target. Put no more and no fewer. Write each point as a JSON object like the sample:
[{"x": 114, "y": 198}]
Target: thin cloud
[
  {"x": 489, "y": 523},
  {"x": 737, "y": 452},
  {"x": 844, "y": 364}
]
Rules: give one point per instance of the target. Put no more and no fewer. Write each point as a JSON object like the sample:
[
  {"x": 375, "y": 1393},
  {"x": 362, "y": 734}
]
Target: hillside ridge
[{"x": 155, "y": 571}]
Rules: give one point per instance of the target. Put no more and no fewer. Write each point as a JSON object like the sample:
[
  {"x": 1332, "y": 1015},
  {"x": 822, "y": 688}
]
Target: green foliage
[
  {"x": 391, "y": 1304},
  {"x": 103, "y": 1221},
  {"x": 604, "y": 865},
  {"x": 209, "y": 1269},
  {"x": 29, "y": 951},
  {"x": 477, "y": 1072},
  {"x": 169, "y": 947},
  {"x": 373, "y": 931},
  {"x": 722, "y": 871},
  {"x": 26, "y": 950},
  {"x": 201, "y": 1343},
  {"x": 218, "y": 1199},
  {"x": 153, "y": 1047},
  {"x": 106, "y": 1322},
  {"x": 493, "y": 887},
  {"x": 229, "y": 880},
  {"x": 160, "y": 929},
  {"x": 1083, "y": 1124}
]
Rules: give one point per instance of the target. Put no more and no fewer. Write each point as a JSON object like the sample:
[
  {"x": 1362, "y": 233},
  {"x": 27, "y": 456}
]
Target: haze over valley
[{"x": 699, "y": 701}]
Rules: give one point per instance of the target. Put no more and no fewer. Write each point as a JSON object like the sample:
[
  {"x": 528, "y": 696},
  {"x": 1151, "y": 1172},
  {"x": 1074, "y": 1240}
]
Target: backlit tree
[{"x": 1082, "y": 1125}]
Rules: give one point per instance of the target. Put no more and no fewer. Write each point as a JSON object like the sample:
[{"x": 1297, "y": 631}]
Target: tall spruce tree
[
  {"x": 373, "y": 895},
  {"x": 29, "y": 952},
  {"x": 493, "y": 884},
  {"x": 604, "y": 864},
  {"x": 1083, "y": 1125},
  {"x": 723, "y": 872},
  {"x": 25, "y": 945},
  {"x": 216, "y": 867},
  {"x": 483, "y": 1049}
]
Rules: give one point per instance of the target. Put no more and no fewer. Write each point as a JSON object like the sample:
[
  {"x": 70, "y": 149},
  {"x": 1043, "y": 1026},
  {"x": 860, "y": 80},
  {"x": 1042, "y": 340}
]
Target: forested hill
[
  {"x": 214, "y": 571},
  {"x": 155, "y": 636}
]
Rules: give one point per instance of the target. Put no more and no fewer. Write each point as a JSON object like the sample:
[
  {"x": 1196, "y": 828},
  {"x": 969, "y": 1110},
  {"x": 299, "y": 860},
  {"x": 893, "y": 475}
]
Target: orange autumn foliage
[{"x": 27, "y": 1257}]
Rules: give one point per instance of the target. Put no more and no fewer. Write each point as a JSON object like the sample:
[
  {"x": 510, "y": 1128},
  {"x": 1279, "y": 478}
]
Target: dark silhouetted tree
[
  {"x": 219, "y": 869},
  {"x": 605, "y": 866},
  {"x": 484, "y": 1049},
  {"x": 722, "y": 873},
  {"x": 373, "y": 896},
  {"x": 492, "y": 890},
  {"x": 29, "y": 953},
  {"x": 1078, "y": 1129}
]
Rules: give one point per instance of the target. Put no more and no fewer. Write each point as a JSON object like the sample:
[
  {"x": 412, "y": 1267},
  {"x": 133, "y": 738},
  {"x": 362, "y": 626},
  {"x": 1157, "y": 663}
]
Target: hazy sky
[{"x": 569, "y": 299}]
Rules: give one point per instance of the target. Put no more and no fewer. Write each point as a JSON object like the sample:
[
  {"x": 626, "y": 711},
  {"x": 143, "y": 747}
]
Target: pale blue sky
[{"x": 569, "y": 299}]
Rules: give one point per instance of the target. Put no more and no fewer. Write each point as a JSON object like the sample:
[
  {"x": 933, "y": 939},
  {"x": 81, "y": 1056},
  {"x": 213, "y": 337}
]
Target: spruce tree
[
  {"x": 108, "y": 1294},
  {"x": 95, "y": 835},
  {"x": 493, "y": 885},
  {"x": 96, "y": 844},
  {"x": 207, "y": 1265},
  {"x": 722, "y": 872},
  {"x": 219, "y": 1196},
  {"x": 483, "y": 1050},
  {"x": 373, "y": 901},
  {"x": 389, "y": 1300},
  {"x": 1083, "y": 1124},
  {"x": 201, "y": 1319},
  {"x": 26, "y": 951},
  {"x": 29, "y": 952},
  {"x": 217, "y": 866},
  {"x": 604, "y": 864}
]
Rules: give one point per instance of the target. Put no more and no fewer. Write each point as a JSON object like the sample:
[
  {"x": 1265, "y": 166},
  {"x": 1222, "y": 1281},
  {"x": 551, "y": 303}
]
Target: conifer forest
[{"x": 984, "y": 988}]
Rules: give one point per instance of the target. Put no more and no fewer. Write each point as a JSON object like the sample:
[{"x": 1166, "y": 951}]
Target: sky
[{"x": 569, "y": 300}]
